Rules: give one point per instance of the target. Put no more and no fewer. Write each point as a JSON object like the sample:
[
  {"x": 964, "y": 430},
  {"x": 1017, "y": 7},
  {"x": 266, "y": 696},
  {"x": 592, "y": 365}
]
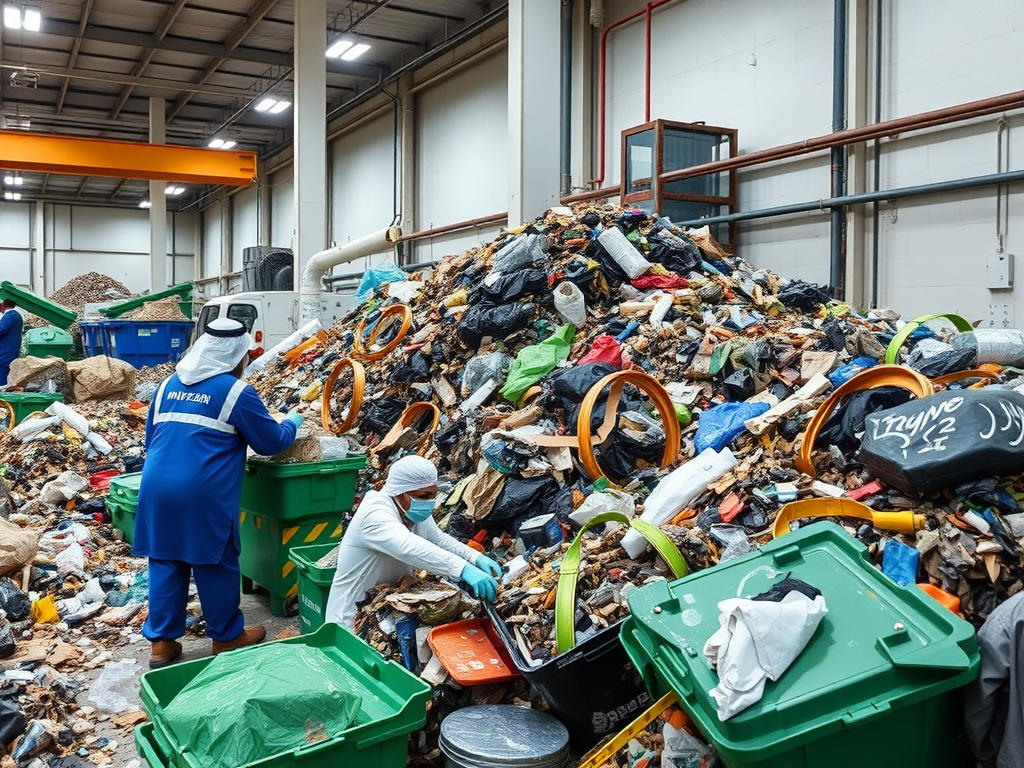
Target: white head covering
[
  {"x": 218, "y": 350},
  {"x": 409, "y": 473}
]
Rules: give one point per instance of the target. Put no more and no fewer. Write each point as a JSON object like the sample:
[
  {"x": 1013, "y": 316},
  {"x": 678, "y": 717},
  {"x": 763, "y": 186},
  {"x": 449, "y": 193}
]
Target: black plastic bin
[{"x": 593, "y": 689}]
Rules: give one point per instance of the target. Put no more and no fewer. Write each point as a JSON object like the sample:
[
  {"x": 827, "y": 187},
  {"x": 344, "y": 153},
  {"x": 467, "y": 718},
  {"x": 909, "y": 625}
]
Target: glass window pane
[
  {"x": 243, "y": 313},
  {"x": 685, "y": 149},
  {"x": 639, "y": 162}
]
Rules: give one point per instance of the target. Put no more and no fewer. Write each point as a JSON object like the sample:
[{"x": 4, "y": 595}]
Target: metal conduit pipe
[
  {"x": 837, "y": 250},
  {"x": 566, "y": 97},
  {"x": 494, "y": 218},
  {"x": 877, "y": 156},
  {"x": 965, "y": 111},
  {"x": 919, "y": 190}
]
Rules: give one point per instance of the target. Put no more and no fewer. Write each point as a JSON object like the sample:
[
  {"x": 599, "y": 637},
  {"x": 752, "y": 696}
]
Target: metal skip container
[{"x": 503, "y": 736}]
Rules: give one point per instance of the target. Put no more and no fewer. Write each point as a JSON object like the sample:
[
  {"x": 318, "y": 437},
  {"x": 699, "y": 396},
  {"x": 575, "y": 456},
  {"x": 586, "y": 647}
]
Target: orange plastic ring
[
  {"x": 645, "y": 383},
  {"x": 362, "y": 353},
  {"x": 358, "y": 385},
  {"x": 878, "y": 376},
  {"x": 980, "y": 373},
  {"x": 409, "y": 415},
  {"x": 6, "y": 406}
]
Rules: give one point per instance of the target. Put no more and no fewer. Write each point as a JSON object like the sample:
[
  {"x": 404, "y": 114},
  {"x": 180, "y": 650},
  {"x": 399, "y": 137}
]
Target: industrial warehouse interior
[{"x": 549, "y": 383}]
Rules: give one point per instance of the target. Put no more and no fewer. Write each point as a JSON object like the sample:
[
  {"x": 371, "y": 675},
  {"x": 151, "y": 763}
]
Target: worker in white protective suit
[{"x": 393, "y": 533}]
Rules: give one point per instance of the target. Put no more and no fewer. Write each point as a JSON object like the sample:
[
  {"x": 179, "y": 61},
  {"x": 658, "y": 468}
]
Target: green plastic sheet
[
  {"x": 536, "y": 361},
  {"x": 244, "y": 707}
]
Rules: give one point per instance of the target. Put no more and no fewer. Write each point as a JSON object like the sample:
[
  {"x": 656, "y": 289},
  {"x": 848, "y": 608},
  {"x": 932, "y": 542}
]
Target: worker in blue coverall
[
  {"x": 200, "y": 421},
  {"x": 10, "y": 337}
]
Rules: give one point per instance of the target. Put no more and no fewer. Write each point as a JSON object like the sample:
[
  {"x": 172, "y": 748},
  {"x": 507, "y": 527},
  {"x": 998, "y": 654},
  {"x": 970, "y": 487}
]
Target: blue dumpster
[
  {"x": 147, "y": 343},
  {"x": 92, "y": 339}
]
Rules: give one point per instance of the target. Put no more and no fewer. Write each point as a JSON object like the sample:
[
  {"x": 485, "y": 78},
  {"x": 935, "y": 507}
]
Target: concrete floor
[{"x": 256, "y": 608}]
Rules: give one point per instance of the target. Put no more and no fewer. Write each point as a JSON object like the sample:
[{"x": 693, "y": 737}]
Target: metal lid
[{"x": 504, "y": 736}]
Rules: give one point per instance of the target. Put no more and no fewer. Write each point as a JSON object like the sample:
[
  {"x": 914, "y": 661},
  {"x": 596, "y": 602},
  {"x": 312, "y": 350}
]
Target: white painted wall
[
  {"x": 15, "y": 238},
  {"x": 282, "y": 208},
  {"x": 245, "y": 222},
  {"x": 362, "y": 187},
  {"x": 462, "y": 153},
  {"x": 212, "y": 240}
]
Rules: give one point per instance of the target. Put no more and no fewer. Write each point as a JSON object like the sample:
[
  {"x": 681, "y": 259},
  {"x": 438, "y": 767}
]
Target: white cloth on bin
[{"x": 757, "y": 641}]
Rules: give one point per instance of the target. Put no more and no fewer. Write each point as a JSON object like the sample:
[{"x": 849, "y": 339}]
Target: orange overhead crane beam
[{"x": 75, "y": 156}]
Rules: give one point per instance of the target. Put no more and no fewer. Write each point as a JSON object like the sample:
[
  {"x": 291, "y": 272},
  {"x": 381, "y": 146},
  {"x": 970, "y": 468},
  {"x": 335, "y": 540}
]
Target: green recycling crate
[
  {"x": 393, "y": 705},
  {"x": 314, "y": 585},
  {"x": 266, "y": 544},
  {"x": 876, "y": 685},
  {"x": 301, "y": 489},
  {"x": 44, "y": 342},
  {"x": 26, "y": 403},
  {"x": 122, "y": 502}
]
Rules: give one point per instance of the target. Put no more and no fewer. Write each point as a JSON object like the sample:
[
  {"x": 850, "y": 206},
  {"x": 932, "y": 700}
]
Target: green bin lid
[
  {"x": 129, "y": 482},
  {"x": 48, "y": 335},
  {"x": 879, "y": 646}
]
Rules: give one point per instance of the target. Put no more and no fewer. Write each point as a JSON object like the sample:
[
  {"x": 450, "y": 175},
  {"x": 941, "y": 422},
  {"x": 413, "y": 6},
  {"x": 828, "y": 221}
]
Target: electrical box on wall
[{"x": 999, "y": 272}]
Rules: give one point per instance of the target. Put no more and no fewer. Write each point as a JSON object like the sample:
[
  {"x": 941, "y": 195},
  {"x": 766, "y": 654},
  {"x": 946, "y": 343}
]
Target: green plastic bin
[
  {"x": 876, "y": 685},
  {"x": 301, "y": 489},
  {"x": 394, "y": 704},
  {"x": 125, "y": 488},
  {"x": 122, "y": 517},
  {"x": 266, "y": 545},
  {"x": 44, "y": 342},
  {"x": 314, "y": 585},
  {"x": 26, "y": 403}
]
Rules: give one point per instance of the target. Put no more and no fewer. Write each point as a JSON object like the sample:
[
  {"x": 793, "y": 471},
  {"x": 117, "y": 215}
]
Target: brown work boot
[
  {"x": 249, "y": 636},
  {"x": 164, "y": 652}
]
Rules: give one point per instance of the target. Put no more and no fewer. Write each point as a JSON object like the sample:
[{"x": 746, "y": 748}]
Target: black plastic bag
[
  {"x": 412, "y": 369},
  {"x": 496, "y": 322},
  {"x": 835, "y": 338},
  {"x": 805, "y": 296},
  {"x": 379, "y": 416},
  {"x": 524, "y": 252},
  {"x": 13, "y": 601},
  {"x": 847, "y": 421},
  {"x": 521, "y": 498},
  {"x": 946, "y": 439},
  {"x": 759, "y": 355},
  {"x": 946, "y": 362},
  {"x": 618, "y": 458},
  {"x": 12, "y": 721},
  {"x": 740, "y": 385},
  {"x": 677, "y": 253},
  {"x": 446, "y": 438},
  {"x": 572, "y": 384},
  {"x": 615, "y": 274},
  {"x": 510, "y": 287}
]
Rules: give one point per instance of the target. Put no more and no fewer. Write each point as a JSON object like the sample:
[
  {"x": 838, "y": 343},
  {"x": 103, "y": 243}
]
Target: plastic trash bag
[
  {"x": 899, "y": 562},
  {"x": 524, "y": 252},
  {"x": 536, "y": 361},
  {"x": 375, "y": 277},
  {"x": 379, "y": 416},
  {"x": 521, "y": 498},
  {"x": 412, "y": 369},
  {"x": 719, "y": 426},
  {"x": 15, "y": 603},
  {"x": 510, "y": 287},
  {"x": 740, "y": 385},
  {"x": 685, "y": 751},
  {"x": 605, "y": 349},
  {"x": 244, "y": 707},
  {"x": 570, "y": 303},
  {"x": 946, "y": 362},
  {"x": 946, "y": 439},
  {"x": 844, "y": 373},
  {"x": 805, "y": 296},
  {"x": 496, "y": 322},
  {"x": 846, "y": 422},
  {"x": 994, "y": 345},
  {"x": 677, "y": 253},
  {"x": 609, "y": 500},
  {"x": 623, "y": 252},
  {"x": 835, "y": 336},
  {"x": 483, "y": 367}
]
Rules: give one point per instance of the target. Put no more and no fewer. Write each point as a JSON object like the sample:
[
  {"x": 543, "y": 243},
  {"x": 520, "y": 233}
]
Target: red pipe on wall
[{"x": 601, "y": 78}]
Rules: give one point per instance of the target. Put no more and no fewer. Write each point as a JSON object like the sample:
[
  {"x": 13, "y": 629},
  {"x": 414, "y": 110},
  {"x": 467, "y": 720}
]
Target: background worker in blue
[
  {"x": 10, "y": 337},
  {"x": 200, "y": 421}
]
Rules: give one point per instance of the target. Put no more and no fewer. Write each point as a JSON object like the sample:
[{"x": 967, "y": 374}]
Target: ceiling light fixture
[
  {"x": 12, "y": 195},
  {"x": 355, "y": 52},
  {"x": 281, "y": 106},
  {"x": 26, "y": 17},
  {"x": 338, "y": 48},
  {"x": 174, "y": 190},
  {"x": 272, "y": 105},
  {"x": 13, "y": 181},
  {"x": 221, "y": 144},
  {"x": 145, "y": 204},
  {"x": 266, "y": 104}
]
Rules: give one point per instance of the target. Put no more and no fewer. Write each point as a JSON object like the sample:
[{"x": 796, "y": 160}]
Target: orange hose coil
[
  {"x": 646, "y": 384},
  {"x": 409, "y": 415},
  {"x": 358, "y": 385},
  {"x": 361, "y": 352}
]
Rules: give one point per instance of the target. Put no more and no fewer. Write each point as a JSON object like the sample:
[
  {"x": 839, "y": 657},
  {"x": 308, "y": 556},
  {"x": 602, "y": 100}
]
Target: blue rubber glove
[
  {"x": 295, "y": 418},
  {"x": 485, "y": 564},
  {"x": 480, "y": 584}
]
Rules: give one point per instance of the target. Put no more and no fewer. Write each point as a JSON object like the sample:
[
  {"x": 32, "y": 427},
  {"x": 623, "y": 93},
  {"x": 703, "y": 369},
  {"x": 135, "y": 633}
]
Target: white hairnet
[
  {"x": 409, "y": 473},
  {"x": 219, "y": 350}
]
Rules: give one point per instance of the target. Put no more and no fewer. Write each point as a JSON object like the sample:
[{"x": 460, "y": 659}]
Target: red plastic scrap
[
  {"x": 730, "y": 507},
  {"x": 865, "y": 490},
  {"x": 665, "y": 282},
  {"x": 605, "y": 349}
]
